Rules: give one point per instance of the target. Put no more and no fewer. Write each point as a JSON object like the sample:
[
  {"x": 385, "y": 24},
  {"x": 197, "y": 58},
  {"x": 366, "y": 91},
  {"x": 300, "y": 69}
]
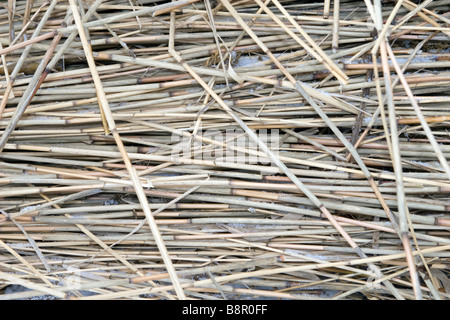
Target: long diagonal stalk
[
  {"x": 131, "y": 170},
  {"x": 402, "y": 206},
  {"x": 398, "y": 173},
  {"x": 416, "y": 107}
]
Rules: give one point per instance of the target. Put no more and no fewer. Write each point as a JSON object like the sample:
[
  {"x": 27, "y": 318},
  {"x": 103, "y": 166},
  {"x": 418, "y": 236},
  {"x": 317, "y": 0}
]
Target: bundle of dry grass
[{"x": 224, "y": 149}]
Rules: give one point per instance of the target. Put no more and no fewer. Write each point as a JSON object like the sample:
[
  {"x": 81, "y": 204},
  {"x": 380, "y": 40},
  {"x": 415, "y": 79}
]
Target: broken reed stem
[
  {"x": 336, "y": 14},
  {"x": 326, "y": 9},
  {"x": 403, "y": 228}
]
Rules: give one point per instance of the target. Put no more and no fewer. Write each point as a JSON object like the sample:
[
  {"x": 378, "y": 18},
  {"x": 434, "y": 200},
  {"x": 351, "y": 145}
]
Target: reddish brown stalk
[{"x": 29, "y": 42}]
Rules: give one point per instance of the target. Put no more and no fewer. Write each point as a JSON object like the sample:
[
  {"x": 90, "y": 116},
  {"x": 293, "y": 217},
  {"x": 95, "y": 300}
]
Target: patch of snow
[
  {"x": 110, "y": 202},
  {"x": 19, "y": 245},
  {"x": 434, "y": 164},
  {"x": 247, "y": 61},
  {"x": 28, "y": 208},
  {"x": 367, "y": 120}
]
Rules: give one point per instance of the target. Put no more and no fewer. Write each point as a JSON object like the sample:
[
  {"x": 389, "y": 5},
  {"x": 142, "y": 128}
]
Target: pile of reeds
[{"x": 224, "y": 149}]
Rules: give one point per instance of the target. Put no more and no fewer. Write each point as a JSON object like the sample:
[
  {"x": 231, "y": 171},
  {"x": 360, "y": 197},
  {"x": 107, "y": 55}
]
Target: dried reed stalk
[{"x": 224, "y": 149}]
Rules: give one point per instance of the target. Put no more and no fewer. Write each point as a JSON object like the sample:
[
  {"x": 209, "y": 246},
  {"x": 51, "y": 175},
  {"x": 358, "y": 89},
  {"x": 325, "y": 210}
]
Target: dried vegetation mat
[{"x": 200, "y": 149}]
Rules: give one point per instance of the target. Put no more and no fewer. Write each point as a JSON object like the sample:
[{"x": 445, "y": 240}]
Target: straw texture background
[{"x": 224, "y": 149}]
